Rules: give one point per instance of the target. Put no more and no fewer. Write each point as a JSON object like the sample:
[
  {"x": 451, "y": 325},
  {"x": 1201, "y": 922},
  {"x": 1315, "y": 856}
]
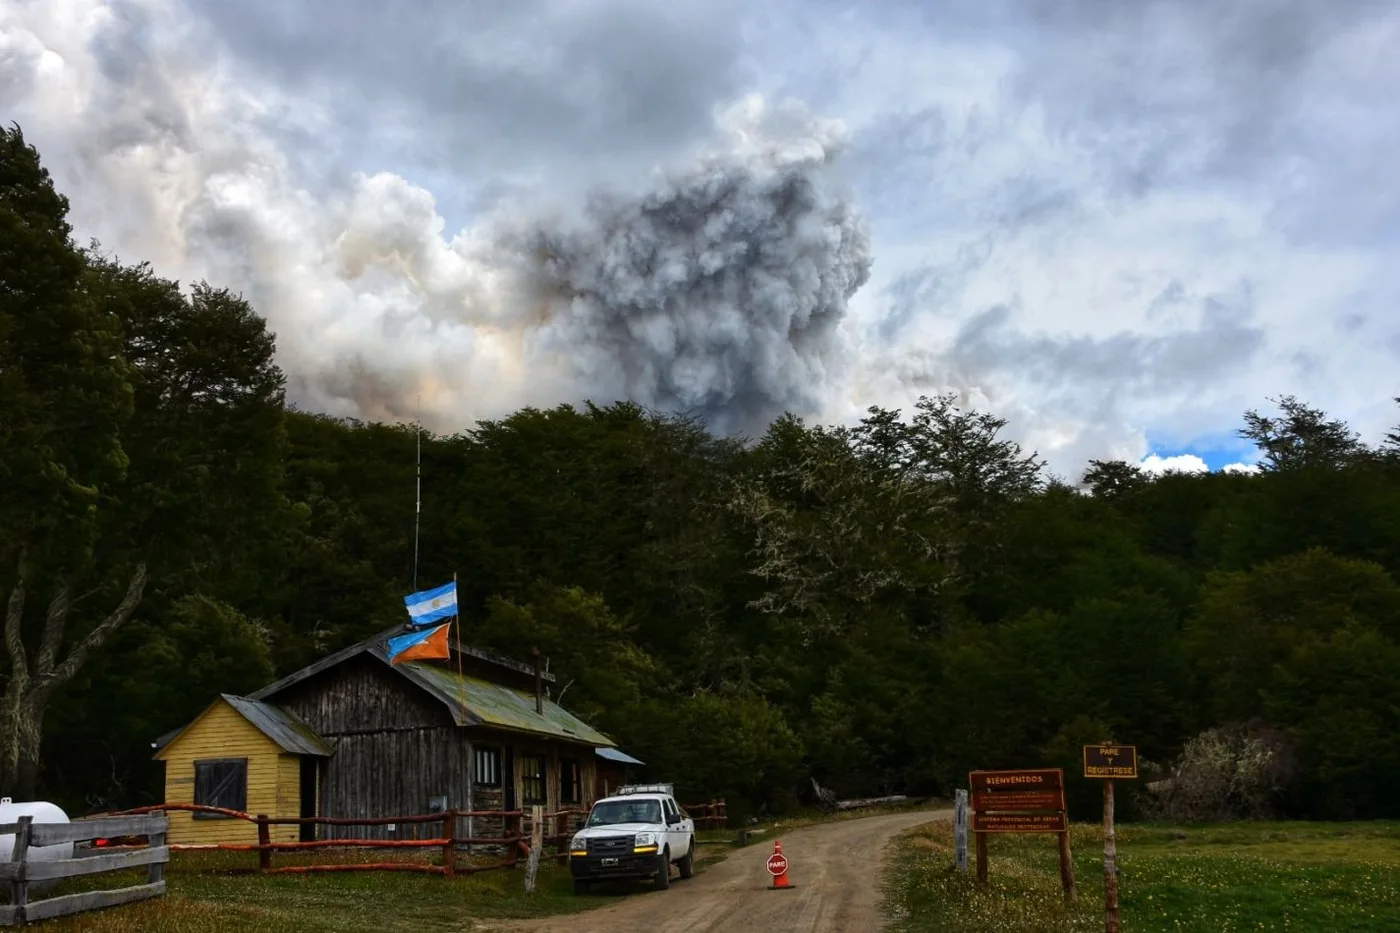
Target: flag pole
[
  {"x": 418, "y": 495},
  {"x": 457, "y": 619},
  {"x": 462, "y": 701}
]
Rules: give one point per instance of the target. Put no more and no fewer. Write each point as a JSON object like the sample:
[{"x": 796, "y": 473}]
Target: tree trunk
[
  {"x": 32, "y": 685},
  {"x": 21, "y": 726}
]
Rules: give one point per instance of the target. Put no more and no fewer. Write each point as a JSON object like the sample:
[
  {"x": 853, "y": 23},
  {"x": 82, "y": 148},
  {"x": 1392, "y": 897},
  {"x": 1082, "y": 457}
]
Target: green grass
[
  {"x": 220, "y": 891},
  {"x": 203, "y": 894},
  {"x": 1327, "y": 877}
]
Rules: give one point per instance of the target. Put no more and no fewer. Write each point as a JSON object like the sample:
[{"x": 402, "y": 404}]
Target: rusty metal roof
[
  {"x": 477, "y": 702},
  {"x": 290, "y": 733}
]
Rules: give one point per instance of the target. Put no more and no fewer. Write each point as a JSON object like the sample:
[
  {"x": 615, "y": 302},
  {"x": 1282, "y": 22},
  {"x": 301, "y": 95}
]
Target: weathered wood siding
[
  {"x": 221, "y": 732},
  {"x": 394, "y": 773},
  {"x": 395, "y": 748},
  {"x": 361, "y": 695},
  {"x": 608, "y": 776}
]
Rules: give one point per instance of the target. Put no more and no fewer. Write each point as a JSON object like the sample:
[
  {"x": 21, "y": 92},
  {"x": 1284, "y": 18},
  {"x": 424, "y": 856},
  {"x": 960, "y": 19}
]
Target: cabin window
[
  {"x": 569, "y": 781},
  {"x": 221, "y": 782},
  {"x": 488, "y": 767},
  {"x": 532, "y": 778}
]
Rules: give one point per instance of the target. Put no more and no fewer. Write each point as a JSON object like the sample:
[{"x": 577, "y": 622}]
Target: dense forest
[{"x": 881, "y": 607}]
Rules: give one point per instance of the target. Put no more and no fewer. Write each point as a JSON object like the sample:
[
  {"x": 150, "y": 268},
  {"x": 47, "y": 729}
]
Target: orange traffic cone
[{"x": 778, "y": 868}]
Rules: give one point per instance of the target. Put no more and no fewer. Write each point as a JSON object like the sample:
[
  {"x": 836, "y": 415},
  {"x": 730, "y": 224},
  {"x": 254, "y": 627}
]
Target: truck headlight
[
  {"x": 645, "y": 842},
  {"x": 578, "y": 846}
]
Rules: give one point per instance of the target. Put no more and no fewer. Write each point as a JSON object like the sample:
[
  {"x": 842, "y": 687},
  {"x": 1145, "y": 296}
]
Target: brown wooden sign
[
  {"x": 1019, "y": 823},
  {"x": 998, "y": 782},
  {"x": 1008, "y": 801},
  {"x": 1110, "y": 761}
]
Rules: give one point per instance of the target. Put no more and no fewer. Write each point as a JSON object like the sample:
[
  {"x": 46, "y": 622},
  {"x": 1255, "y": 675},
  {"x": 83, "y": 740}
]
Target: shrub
[{"x": 1238, "y": 771}]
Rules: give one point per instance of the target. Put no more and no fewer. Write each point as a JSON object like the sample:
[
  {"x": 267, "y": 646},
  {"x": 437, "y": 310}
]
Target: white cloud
[{"x": 1181, "y": 463}]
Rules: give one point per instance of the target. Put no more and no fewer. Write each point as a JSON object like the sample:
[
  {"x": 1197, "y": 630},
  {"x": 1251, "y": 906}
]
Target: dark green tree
[
  {"x": 1300, "y": 437},
  {"x": 1112, "y": 479},
  {"x": 64, "y": 402}
]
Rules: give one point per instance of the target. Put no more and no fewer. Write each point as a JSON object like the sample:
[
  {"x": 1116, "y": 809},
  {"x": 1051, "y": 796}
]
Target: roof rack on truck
[{"x": 647, "y": 789}]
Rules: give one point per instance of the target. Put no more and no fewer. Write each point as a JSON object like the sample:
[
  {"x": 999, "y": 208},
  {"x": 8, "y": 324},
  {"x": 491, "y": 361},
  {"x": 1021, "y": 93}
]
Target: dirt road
[{"x": 834, "y": 866}]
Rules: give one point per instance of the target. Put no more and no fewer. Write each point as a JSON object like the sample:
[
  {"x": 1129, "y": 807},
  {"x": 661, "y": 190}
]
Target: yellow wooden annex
[{"x": 245, "y": 755}]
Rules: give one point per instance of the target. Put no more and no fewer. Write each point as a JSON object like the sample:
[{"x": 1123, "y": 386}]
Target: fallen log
[{"x": 870, "y": 802}]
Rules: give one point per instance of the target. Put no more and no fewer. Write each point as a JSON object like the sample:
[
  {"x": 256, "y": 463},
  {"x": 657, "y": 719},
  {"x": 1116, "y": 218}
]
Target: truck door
[{"x": 676, "y": 836}]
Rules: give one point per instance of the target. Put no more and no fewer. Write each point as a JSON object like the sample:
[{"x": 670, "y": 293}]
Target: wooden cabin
[
  {"x": 240, "y": 754},
  {"x": 477, "y": 732}
]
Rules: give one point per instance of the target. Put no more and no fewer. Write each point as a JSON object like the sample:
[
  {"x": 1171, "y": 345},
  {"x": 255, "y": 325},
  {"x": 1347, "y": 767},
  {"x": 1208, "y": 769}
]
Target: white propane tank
[{"x": 43, "y": 812}]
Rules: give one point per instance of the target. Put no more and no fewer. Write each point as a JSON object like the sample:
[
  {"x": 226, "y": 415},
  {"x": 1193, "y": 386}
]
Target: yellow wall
[
  {"x": 288, "y": 787},
  {"x": 273, "y": 777}
]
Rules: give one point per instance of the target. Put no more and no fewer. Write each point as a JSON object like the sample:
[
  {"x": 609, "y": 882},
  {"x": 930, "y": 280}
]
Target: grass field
[
  {"x": 203, "y": 896},
  {"x": 1325, "y": 877},
  {"x": 215, "y": 891}
]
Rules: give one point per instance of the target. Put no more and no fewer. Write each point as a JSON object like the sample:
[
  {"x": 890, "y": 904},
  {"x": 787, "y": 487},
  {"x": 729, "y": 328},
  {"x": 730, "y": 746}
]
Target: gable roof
[
  {"x": 471, "y": 701},
  {"x": 345, "y": 654},
  {"x": 281, "y": 726},
  {"x": 285, "y": 730}
]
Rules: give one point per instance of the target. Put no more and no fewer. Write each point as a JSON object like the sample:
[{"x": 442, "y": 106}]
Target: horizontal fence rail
[
  {"x": 557, "y": 829},
  {"x": 22, "y": 870}
]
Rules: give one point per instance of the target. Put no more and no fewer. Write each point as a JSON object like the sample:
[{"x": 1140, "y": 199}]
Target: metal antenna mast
[{"x": 418, "y": 501}]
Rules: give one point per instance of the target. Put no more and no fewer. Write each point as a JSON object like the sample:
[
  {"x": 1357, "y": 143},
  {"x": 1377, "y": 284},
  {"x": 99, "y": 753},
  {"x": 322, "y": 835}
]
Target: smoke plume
[
  {"x": 719, "y": 292},
  {"x": 715, "y": 289}
]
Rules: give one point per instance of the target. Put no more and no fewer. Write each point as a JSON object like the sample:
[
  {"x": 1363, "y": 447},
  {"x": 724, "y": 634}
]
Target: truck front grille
[{"x": 610, "y": 845}]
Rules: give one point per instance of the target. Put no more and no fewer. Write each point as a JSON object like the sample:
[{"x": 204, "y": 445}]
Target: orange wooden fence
[{"x": 558, "y": 828}]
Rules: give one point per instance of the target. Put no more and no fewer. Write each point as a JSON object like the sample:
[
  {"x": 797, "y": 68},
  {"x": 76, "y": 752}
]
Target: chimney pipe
[{"x": 539, "y": 682}]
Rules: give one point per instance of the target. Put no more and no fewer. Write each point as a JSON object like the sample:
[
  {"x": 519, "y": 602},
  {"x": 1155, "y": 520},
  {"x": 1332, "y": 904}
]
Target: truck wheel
[
  {"x": 580, "y": 886},
  {"x": 687, "y": 864},
  {"x": 663, "y": 871}
]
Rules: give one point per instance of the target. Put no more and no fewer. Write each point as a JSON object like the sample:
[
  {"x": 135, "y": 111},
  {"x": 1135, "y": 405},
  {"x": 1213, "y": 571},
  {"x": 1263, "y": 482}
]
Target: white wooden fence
[{"x": 20, "y": 871}]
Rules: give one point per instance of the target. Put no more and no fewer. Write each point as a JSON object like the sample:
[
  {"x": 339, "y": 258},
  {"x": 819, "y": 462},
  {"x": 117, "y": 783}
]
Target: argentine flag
[{"x": 430, "y": 605}]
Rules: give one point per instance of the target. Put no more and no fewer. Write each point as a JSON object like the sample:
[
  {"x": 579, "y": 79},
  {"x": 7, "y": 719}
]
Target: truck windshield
[{"x": 608, "y": 812}]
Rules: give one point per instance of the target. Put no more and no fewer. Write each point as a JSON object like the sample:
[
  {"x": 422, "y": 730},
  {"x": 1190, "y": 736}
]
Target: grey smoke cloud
[{"x": 720, "y": 292}]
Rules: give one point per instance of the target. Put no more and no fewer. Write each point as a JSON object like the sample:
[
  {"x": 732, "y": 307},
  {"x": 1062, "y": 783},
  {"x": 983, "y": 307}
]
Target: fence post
[
  {"x": 449, "y": 848},
  {"x": 264, "y": 843},
  {"x": 19, "y": 888},
  {"x": 536, "y": 844},
  {"x": 960, "y": 829},
  {"x": 156, "y": 872}
]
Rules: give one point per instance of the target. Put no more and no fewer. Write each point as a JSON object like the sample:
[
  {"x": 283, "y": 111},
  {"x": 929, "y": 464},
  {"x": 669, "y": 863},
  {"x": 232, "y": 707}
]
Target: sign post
[
  {"x": 1106, "y": 762},
  {"x": 1021, "y": 802}
]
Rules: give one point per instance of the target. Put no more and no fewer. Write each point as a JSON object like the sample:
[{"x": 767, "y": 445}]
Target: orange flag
[{"x": 420, "y": 646}]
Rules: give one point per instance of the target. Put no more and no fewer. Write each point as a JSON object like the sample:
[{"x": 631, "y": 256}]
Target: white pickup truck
[{"x": 639, "y": 832}]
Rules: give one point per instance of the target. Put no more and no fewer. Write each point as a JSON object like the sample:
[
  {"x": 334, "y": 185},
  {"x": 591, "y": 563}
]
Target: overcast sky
[{"x": 1118, "y": 224}]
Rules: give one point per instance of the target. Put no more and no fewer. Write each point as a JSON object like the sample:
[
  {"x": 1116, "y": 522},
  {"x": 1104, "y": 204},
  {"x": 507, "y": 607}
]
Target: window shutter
[{"x": 222, "y": 782}]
